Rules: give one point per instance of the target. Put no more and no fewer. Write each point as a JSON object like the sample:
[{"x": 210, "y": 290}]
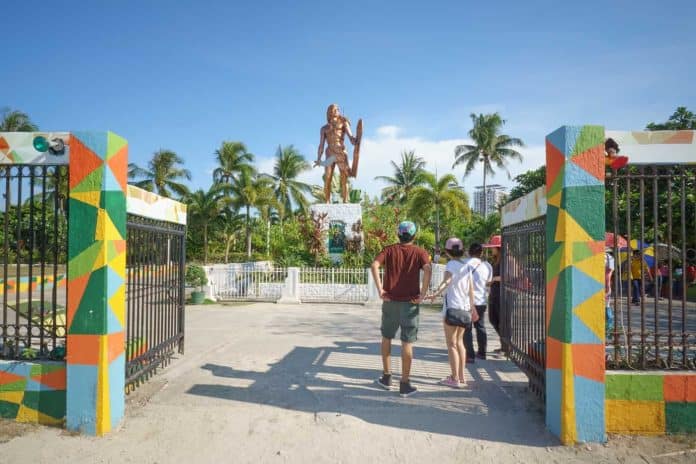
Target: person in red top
[{"x": 401, "y": 295}]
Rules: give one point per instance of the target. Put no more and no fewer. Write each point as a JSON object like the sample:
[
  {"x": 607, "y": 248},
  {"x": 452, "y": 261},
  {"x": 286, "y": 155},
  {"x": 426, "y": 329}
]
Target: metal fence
[
  {"x": 155, "y": 295},
  {"x": 33, "y": 240},
  {"x": 523, "y": 299},
  {"x": 652, "y": 321}
]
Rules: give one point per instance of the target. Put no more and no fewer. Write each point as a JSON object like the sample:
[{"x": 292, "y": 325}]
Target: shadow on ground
[{"x": 339, "y": 380}]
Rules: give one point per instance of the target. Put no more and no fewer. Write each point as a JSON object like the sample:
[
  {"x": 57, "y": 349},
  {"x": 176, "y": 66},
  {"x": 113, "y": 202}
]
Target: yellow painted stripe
[
  {"x": 103, "y": 425},
  {"x": 569, "y": 433}
]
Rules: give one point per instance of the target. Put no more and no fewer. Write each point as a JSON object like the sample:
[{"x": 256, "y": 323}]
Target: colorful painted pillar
[
  {"x": 575, "y": 284},
  {"x": 96, "y": 282}
]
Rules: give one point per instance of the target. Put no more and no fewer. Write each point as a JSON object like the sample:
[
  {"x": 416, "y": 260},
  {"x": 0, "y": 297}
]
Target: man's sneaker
[
  {"x": 406, "y": 389},
  {"x": 384, "y": 381}
]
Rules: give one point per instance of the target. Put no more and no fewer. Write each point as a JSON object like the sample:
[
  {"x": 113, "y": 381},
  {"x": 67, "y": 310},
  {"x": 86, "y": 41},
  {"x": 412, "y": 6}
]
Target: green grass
[{"x": 691, "y": 293}]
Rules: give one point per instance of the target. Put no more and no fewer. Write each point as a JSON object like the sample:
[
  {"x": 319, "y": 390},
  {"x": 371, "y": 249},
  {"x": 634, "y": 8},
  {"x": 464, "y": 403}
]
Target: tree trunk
[
  {"x": 268, "y": 235},
  {"x": 205, "y": 244},
  {"x": 248, "y": 233},
  {"x": 227, "y": 248},
  {"x": 437, "y": 225},
  {"x": 485, "y": 194}
]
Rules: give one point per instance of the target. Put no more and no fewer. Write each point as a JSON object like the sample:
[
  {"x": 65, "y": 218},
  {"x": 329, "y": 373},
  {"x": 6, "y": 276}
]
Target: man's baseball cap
[
  {"x": 454, "y": 243},
  {"x": 407, "y": 229}
]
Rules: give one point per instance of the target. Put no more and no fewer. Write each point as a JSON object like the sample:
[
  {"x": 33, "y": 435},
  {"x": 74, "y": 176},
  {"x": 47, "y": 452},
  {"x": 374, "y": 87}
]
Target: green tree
[
  {"x": 231, "y": 224},
  {"x": 288, "y": 165},
  {"x": 232, "y": 158},
  {"x": 317, "y": 191},
  {"x": 16, "y": 121},
  {"x": 435, "y": 198},
  {"x": 162, "y": 175},
  {"x": 490, "y": 148},
  {"x": 528, "y": 182},
  {"x": 408, "y": 174},
  {"x": 480, "y": 228},
  {"x": 205, "y": 208},
  {"x": 251, "y": 191},
  {"x": 681, "y": 119}
]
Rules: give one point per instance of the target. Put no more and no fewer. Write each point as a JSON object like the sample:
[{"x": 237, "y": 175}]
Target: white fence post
[
  {"x": 372, "y": 295},
  {"x": 291, "y": 288},
  {"x": 210, "y": 288}
]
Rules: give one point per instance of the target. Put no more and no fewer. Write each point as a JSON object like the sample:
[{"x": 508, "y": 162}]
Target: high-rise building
[{"x": 495, "y": 194}]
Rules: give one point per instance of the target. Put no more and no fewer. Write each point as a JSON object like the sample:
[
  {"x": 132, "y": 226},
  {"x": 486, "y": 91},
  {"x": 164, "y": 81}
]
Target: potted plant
[{"x": 195, "y": 277}]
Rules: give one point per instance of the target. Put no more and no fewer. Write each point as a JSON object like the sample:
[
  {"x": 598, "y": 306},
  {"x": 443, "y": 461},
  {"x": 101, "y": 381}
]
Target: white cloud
[
  {"x": 377, "y": 153},
  {"x": 388, "y": 132}
]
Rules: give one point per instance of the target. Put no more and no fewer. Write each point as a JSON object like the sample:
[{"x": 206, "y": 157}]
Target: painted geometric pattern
[
  {"x": 575, "y": 289},
  {"x": 96, "y": 281},
  {"x": 36, "y": 282},
  {"x": 32, "y": 392},
  {"x": 32, "y": 147},
  {"x": 651, "y": 404},
  {"x": 150, "y": 205}
]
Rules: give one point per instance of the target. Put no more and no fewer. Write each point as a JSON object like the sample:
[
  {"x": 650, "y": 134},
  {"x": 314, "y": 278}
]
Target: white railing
[
  {"x": 263, "y": 282},
  {"x": 337, "y": 285},
  {"x": 246, "y": 282}
]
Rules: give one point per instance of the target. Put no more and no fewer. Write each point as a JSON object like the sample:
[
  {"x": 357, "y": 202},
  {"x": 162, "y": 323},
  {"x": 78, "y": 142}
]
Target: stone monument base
[{"x": 343, "y": 225}]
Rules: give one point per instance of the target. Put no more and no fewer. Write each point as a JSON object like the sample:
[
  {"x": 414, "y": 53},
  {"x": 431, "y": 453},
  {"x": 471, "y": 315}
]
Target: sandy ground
[{"x": 294, "y": 384}]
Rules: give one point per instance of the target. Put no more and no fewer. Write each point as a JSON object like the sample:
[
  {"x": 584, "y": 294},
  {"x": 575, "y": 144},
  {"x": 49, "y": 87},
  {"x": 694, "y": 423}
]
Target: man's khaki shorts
[{"x": 400, "y": 314}]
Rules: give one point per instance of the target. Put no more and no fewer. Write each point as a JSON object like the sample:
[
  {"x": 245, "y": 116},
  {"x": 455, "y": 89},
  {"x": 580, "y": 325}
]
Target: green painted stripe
[
  {"x": 680, "y": 417},
  {"x": 635, "y": 387}
]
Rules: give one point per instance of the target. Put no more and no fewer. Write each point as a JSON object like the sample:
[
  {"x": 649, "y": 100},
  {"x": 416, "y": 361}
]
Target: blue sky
[{"x": 187, "y": 75}]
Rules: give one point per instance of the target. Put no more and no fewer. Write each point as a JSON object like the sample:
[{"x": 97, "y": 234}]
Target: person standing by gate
[
  {"x": 482, "y": 274},
  {"x": 401, "y": 296},
  {"x": 494, "y": 285}
]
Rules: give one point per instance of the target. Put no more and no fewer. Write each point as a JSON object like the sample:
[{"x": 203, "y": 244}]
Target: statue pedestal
[{"x": 342, "y": 221}]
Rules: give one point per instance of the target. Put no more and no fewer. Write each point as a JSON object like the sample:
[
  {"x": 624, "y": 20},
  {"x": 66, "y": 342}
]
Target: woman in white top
[{"x": 458, "y": 285}]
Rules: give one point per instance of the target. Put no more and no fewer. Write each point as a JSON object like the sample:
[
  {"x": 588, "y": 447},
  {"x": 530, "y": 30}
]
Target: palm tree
[
  {"x": 317, "y": 191},
  {"x": 490, "y": 147},
  {"x": 288, "y": 165},
  {"x": 250, "y": 191},
  {"x": 438, "y": 196},
  {"x": 232, "y": 158},
  {"x": 162, "y": 174},
  {"x": 16, "y": 121},
  {"x": 56, "y": 188},
  {"x": 204, "y": 208},
  {"x": 407, "y": 175},
  {"x": 231, "y": 223}
]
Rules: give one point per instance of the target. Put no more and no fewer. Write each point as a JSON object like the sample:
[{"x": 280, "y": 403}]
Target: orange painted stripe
[
  {"x": 83, "y": 349},
  {"x": 55, "y": 379}
]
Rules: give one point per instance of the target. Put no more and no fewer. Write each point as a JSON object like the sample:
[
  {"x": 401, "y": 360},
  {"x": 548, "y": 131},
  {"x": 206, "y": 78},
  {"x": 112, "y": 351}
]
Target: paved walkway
[{"x": 275, "y": 383}]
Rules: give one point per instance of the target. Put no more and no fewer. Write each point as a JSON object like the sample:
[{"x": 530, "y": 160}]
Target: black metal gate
[
  {"x": 155, "y": 295},
  {"x": 33, "y": 244},
  {"x": 523, "y": 299},
  {"x": 652, "y": 215}
]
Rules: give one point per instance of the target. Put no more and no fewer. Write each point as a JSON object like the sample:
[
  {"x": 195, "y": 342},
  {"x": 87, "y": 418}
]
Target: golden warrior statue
[{"x": 333, "y": 133}]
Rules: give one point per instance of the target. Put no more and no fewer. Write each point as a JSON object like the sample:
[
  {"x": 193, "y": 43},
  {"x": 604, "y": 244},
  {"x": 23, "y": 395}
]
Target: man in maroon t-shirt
[{"x": 401, "y": 295}]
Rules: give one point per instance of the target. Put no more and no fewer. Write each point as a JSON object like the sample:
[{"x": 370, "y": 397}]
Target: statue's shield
[{"x": 356, "y": 149}]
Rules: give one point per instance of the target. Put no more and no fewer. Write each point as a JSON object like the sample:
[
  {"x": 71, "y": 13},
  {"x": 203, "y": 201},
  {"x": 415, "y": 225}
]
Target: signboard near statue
[{"x": 337, "y": 237}]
